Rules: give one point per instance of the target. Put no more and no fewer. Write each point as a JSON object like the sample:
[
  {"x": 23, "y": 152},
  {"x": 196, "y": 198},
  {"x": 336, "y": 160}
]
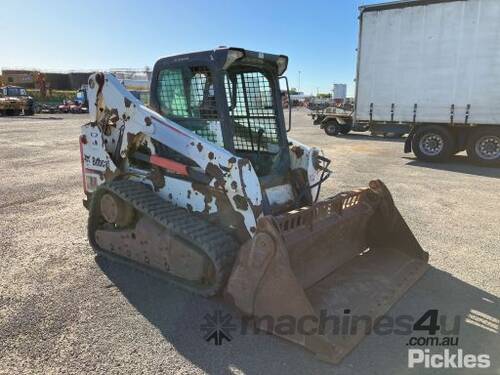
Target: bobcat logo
[{"x": 92, "y": 161}]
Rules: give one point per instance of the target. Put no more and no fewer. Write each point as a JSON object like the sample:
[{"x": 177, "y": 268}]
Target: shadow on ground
[
  {"x": 179, "y": 315},
  {"x": 370, "y": 137},
  {"x": 44, "y": 118},
  {"x": 34, "y": 117},
  {"x": 457, "y": 163}
]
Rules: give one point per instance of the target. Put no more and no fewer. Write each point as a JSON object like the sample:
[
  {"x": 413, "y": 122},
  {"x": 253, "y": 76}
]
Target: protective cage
[
  {"x": 187, "y": 96},
  {"x": 252, "y": 111}
]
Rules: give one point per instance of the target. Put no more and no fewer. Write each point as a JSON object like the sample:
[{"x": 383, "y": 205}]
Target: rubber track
[{"x": 207, "y": 238}]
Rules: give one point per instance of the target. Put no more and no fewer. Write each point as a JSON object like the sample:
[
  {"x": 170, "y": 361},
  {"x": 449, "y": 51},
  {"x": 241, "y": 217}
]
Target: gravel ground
[{"x": 63, "y": 311}]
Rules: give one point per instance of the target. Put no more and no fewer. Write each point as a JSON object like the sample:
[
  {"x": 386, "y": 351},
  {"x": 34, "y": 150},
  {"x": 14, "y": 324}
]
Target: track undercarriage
[{"x": 130, "y": 223}]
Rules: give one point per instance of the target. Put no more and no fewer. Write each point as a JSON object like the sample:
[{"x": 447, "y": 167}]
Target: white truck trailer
[{"x": 431, "y": 68}]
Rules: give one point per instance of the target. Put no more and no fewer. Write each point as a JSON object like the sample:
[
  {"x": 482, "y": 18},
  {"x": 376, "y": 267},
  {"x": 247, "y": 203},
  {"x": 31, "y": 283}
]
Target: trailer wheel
[
  {"x": 433, "y": 143},
  {"x": 332, "y": 128},
  {"x": 483, "y": 147}
]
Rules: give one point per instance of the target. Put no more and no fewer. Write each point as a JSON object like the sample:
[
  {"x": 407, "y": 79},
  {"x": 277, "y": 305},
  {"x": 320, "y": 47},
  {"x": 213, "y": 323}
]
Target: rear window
[{"x": 16, "y": 91}]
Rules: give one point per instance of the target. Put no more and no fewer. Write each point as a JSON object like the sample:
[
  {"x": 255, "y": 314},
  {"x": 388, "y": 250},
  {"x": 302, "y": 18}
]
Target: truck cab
[{"x": 14, "y": 100}]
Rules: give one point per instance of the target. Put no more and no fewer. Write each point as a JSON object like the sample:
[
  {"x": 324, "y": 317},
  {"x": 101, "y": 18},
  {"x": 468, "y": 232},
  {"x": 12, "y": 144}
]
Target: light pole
[{"x": 299, "y": 79}]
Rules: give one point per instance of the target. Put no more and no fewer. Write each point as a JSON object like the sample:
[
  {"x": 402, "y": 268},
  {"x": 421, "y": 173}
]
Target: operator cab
[{"x": 230, "y": 97}]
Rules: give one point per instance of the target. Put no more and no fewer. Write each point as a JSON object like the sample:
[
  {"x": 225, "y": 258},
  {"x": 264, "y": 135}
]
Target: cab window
[
  {"x": 186, "y": 96},
  {"x": 16, "y": 91},
  {"x": 250, "y": 101}
]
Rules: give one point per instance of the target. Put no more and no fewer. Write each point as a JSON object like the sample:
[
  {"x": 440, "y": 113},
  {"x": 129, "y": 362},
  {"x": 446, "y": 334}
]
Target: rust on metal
[
  {"x": 151, "y": 244},
  {"x": 351, "y": 252},
  {"x": 116, "y": 211},
  {"x": 157, "y": 178},
  {"x": 215, "y": 172},
  {"x": 298, "y": 151},
  {"x": 241, "y": 202}
]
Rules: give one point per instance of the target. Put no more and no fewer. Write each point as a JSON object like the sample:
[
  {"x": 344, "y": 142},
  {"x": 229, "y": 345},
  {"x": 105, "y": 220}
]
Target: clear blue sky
[{"x": 320, "y": 36}]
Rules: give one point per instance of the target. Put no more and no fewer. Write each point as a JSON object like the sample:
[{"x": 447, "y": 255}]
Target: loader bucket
[{"x": 351, "y": 255}]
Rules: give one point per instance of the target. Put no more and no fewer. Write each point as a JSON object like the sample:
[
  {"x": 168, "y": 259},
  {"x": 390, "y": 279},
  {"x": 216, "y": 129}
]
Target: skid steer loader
[{"x": 207, "y": 192}]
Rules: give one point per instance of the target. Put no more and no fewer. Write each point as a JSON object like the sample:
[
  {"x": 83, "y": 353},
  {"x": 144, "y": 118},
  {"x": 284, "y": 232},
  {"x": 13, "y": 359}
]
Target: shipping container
[
  {"x": 430, "y": 68},
  {"x": 430, "y": 59}
]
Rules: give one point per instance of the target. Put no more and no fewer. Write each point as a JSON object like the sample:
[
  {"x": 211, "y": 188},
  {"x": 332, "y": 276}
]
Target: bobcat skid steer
[{"x": 209, "y": 193}]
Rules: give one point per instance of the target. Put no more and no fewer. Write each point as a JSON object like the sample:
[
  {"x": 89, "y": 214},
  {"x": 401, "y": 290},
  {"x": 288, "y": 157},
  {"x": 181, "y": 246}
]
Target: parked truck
[
  {"x": 14, "y": 100},
  {"x": 430, "y": 68},
  {"x": 80, "y": 104}
]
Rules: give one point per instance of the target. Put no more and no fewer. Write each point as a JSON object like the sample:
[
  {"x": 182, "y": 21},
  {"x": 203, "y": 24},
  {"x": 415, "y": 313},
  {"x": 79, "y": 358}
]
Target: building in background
[
  {"x": 78, "y": 79},
  {"x": 54, "y": 80},
  {"x": 73, "y": 80},
  {"x": 19, "y": 77},
  {"x": 339, "y": 92},
  {"x": 298, "y": 98},
  {"x": 133, "y": 79}
]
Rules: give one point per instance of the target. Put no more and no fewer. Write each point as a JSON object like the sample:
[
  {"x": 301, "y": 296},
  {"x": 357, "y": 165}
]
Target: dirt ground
[{"x": 64, "y": 311}]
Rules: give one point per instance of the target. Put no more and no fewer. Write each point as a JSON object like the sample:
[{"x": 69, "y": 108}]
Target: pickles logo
[
  {"x": 218, "y": 327},
  {"x": 447, "y": 359}
]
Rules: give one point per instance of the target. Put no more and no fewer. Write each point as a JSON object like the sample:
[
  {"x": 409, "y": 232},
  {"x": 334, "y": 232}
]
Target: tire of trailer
[
  {"x": 483, "y": 147},
  {"x": 332, "y": 128},
  {"x": 433, "y": 143}
]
